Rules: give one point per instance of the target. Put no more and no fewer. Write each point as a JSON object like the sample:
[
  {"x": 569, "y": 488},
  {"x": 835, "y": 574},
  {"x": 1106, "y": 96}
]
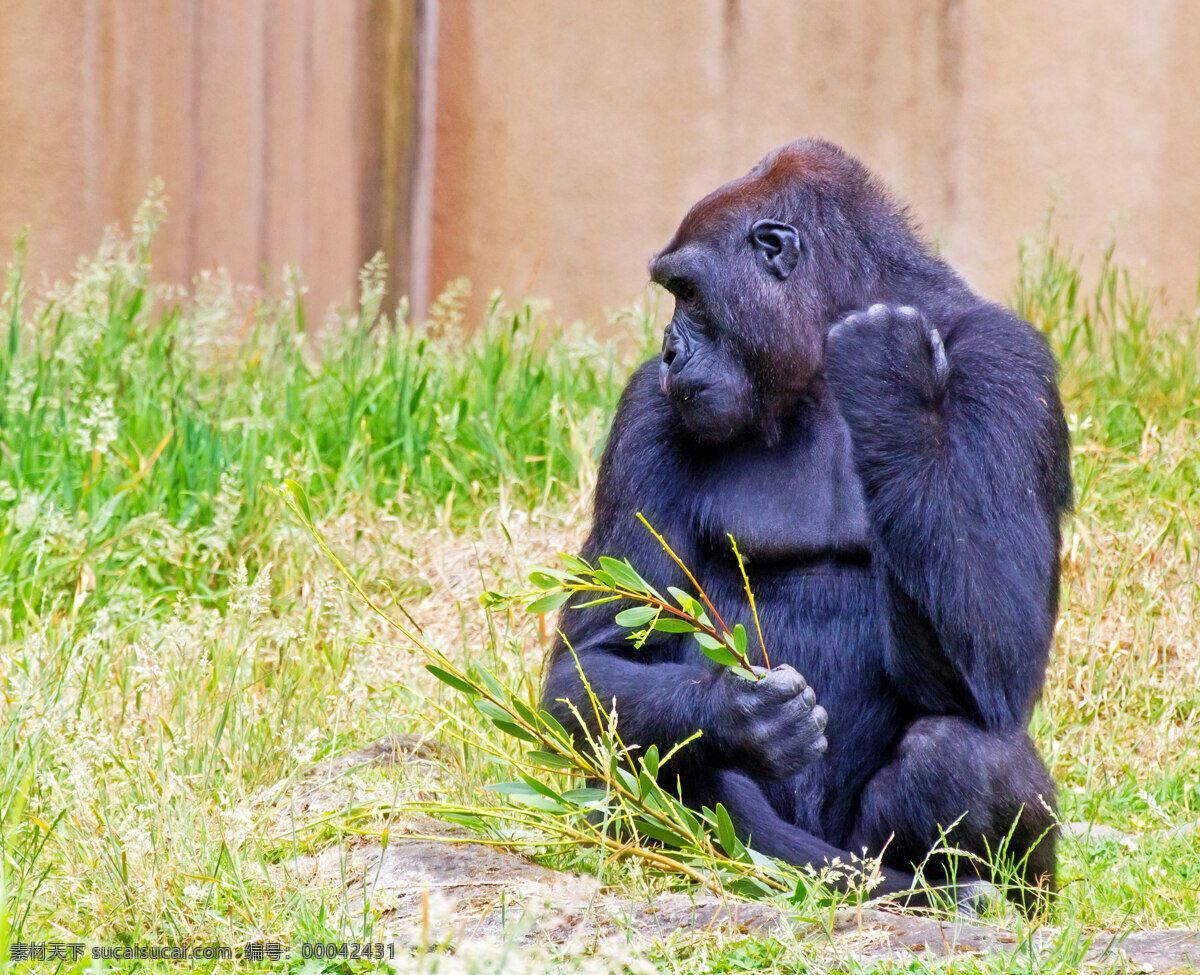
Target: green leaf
[
  {"x": 522, "y": 793},
  {"x": 104, "y": 516},
  {"x": 709, "y": 642},
  {"x": 549, "y": 759},
  {"x": 751, "y": 887},
  {"x": 636, "y": 616},
  {"x": 739, "y": 639},
  {"x": 672, "y": 624},
  {"x": 515, "y": 731},
  {"x": 511, "y": 788},
  {"x": 585, "y": 796},
  {"x": 726, "y": 833},
  {"x": 689, "y": 822},
  {"x": 745, "y": 674},
  {"x": 547, "y": 578},
  {"x": 657, "y": 831},
  {"x": 484, "y": 676},
  {"x": 650, "y": 760},
  {"x": 576, "y": 564},
  {"x": 491, "y": 709},
  {"x": 720, "y": 655},
  {"x": 623, "y": 574},
  {"x": 548, "y": 603},
  {"x": 539, "y": 787},
  {"x": 458, "y": 683},
  {"x": 552, "y": 724},
  {"x": 650, "y": 789},
  {"x": 300, "y": 496},
  {"x": 628, "y": 780},
  {"x": 524, "y": 711},
  {"x": 687, "y": 602}
]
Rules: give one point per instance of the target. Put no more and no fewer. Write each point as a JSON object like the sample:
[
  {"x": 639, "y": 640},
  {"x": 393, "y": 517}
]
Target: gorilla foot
[
  {"x": 974, "y": 898},
  {"x": 966, "y": 899}
]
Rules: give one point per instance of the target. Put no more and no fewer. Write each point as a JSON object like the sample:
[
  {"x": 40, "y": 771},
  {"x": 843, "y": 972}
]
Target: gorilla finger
[
  {"x": 820, "y": 718},
  {"x": 941, "y": 365},
  {"x": 784, "y": 682}
]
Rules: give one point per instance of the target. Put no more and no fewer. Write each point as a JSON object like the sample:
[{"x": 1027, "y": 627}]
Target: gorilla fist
[
  {"x": 773, "y": 727},
  {"x": 885, "y": 351}
]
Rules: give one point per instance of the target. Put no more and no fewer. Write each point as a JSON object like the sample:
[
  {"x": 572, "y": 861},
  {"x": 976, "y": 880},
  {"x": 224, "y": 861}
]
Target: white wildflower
[
  {"x": 372, "y": 282},
  {"x": 27, "y": 511},
  {"x": 250, "y": 599},
  {"x": 150, "y": 214},
  {"x": 98, "y": 428},
  {"x": 305, "y": 751},
  {"x": 227, "y": 505},
  {"x": 18, "y": 399}
]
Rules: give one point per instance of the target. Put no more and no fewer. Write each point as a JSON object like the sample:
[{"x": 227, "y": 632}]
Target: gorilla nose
[
  {"x": 670, "y": 354},
  {"x": 670, "y": 347}
]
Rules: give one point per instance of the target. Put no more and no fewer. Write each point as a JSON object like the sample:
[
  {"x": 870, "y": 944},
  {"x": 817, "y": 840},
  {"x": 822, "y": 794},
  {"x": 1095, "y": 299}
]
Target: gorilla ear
[{"x": 778, "y": 245}]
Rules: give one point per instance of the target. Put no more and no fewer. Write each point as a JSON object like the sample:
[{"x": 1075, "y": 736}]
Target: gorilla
[{"x": 888, "y": 450}]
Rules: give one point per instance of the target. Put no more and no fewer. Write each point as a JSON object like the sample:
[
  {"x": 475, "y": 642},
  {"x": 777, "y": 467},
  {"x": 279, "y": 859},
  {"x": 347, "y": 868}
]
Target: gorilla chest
[{"x": 786, "y": 505}]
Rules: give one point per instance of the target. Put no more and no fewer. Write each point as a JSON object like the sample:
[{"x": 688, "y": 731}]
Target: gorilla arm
[
  {"x": 962, "y": 453},
  {"x": 666, "y": 690}
]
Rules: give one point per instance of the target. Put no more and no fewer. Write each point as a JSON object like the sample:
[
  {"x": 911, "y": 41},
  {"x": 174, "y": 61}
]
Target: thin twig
[
  {"x": 686, "y": 571},
  {"x": 750, "y": 596}
]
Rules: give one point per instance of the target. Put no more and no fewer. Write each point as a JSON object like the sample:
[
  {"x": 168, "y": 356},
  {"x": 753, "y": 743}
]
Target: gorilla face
[
  {"x": 700, "y": 373},
  {"x": 734, "y": 326}
]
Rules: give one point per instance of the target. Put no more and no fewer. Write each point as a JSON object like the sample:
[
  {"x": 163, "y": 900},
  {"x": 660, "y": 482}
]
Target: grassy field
[{"x": 177, "y": 652}]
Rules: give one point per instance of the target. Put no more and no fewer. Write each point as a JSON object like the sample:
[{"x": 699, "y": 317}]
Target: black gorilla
[{"x": 889, "y": 451}]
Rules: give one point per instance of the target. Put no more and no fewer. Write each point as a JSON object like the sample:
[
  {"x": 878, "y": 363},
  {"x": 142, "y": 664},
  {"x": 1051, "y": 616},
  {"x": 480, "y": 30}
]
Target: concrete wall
[
  {"x": 571, "y": 135},
  {"x": 283, "y": 130}
]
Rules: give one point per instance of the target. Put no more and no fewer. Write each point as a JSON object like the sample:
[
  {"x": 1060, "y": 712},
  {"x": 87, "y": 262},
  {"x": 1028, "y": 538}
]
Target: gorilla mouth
[{"x": 706, "y": 422}]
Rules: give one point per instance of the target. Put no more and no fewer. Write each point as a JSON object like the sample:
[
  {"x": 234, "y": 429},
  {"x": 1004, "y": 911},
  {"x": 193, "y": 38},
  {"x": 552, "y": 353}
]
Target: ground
[{"x": 209, "y": 739}]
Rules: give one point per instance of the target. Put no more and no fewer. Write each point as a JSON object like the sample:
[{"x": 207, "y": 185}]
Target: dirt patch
[{"x": 437, "y": 885}]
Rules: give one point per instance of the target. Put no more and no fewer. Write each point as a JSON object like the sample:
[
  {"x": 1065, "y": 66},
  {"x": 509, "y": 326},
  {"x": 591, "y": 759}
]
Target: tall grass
[
  {"x": 138, "y": 424},
  {"x": 175, "y": 654}
]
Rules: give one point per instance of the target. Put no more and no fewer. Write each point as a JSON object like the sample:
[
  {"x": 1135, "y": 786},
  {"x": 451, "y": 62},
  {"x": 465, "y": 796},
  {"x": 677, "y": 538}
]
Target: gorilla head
[
  {"x": 891, "y": 455},
  {"x": 760, "y": 269}
]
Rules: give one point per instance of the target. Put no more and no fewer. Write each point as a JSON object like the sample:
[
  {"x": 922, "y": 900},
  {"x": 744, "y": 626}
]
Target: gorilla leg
[
  {"x": 992, "y": 784},
  {"x": 760, "y": 826}
]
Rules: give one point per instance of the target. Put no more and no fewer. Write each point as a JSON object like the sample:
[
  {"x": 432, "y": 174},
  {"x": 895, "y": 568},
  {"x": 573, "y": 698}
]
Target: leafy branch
[
  {"x": 627, "y": 814},
  {"x": 613, "y": 580}
]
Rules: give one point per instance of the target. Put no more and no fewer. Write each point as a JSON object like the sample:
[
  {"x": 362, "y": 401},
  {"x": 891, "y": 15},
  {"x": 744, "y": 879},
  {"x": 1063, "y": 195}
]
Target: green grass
[{"x": 177, "y": 652}]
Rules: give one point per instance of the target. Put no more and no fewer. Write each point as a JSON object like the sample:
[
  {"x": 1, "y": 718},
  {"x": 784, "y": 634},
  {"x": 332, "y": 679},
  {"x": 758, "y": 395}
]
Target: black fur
[{"x": 889, "y": 451}]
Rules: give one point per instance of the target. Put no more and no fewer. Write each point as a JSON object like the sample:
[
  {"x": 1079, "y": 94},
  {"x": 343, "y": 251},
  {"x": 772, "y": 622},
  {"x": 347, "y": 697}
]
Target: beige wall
[
  {"x": 272, "y": 123},
  {"x": 572, "y": 135}
]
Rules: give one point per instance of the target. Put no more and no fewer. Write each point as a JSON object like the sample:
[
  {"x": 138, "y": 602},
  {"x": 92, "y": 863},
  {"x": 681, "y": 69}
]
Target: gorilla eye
[{"x": 682, "y": 289}]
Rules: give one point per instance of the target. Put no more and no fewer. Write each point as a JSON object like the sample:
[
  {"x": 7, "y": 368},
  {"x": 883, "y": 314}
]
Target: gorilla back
[{"x": 889, "y": 451}]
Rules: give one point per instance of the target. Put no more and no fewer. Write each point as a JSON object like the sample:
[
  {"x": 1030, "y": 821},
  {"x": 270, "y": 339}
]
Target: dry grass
[{"x": 176, "y": 656}]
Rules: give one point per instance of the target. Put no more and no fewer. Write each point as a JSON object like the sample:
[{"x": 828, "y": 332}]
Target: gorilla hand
[
  {"x": 773, "y": 726},
  {"x": 888, "y": 351}
]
